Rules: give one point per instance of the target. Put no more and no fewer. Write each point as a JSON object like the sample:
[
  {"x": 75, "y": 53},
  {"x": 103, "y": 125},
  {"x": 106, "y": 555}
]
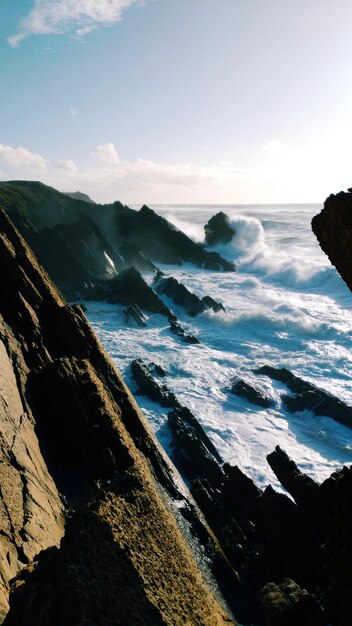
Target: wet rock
[
  {"x": 182, "y": 296},
  {"x": 130, "y": 288},
  {"x": 133, "y": 312},
  {"x": 308, "y": 397},
  {"x": 177, "y": 329},
  {"x": 150, "y": 387},
  {"x": 251, "y": 392},
  {"x": 218, "y": 229}
]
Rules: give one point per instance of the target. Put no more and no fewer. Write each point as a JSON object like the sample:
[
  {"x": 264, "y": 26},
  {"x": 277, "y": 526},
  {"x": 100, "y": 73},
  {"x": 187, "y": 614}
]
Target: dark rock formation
[
  {"x": 218, "y": 229},
  {"x": 177, "y": 329},
  {"x": 289, "y": 605},
  {"x": 251, "y": 392},
  {"x": 75, "y": 449},
  {"x": 333, "y": 229},
  {"x": 308, "y": 397},
  {"x": 130, "y": 288},
  {"x": 182, "y": 296},
  {"x": 134, "y": 313},
  {"x": 80, "y": 243},
  {"x": 150, "y": 387}
]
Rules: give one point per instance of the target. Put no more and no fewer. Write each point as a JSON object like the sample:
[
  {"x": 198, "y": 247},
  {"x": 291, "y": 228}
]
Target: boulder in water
[
  {"x": 182, "y": 296},
  {"x": 218, "y": 229}
]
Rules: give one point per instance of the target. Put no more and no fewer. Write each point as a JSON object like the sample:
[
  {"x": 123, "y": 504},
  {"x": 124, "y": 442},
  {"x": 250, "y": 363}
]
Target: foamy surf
[{"x": 285, "y": 306}]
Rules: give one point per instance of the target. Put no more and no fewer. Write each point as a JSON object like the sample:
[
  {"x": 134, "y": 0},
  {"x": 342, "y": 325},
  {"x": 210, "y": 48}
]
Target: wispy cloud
[
  {"x": 73, "y": 112},
  {"x": 77, "y": 16},
  {"x": 107, "y": 153},
  {"x": 67, "y": 166},
  {"x": 21, "y": 157}
]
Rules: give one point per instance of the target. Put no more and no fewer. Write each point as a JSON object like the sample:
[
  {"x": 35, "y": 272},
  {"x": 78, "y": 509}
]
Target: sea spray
[{"x": 285, "y": 306}]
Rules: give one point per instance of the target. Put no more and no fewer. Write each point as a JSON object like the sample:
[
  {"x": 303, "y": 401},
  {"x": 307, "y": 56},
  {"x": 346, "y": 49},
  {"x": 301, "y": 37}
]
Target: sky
[{"x": 178, "y": 101}]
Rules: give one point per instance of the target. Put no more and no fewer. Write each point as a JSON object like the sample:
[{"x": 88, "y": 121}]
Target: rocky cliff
[
  {"x": 81, "y": 243},
  {"x": 333, "y": 229},
  {"x": 88, "y": 530}
]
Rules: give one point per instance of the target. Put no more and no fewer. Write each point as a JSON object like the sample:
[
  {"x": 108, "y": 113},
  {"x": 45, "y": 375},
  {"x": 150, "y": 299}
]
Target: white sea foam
[{"x": 285, "y": 306}]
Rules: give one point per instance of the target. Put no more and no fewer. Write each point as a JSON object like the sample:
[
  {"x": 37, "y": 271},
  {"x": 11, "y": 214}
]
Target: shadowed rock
[
  {"x": 251, "y": 392},
  {"x": 182, "y": 296},
  {"x": 308, "y": 397},
  {"x": 218, "y": 229},
  {"x": 333, "y": 229}
]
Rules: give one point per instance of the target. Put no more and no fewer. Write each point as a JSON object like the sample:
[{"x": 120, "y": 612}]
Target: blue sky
[{"x": 178, "y": 101}]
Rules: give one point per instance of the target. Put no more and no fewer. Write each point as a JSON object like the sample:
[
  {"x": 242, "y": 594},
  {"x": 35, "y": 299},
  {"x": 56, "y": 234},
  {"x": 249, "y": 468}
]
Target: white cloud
[
  {"x": 78, "y": 16},
  {"x": 67, "y": 166},
  {"x": 74, "y": 112},
  {"x": 276, "y": 147},
  {"x": 107, "y": 153},
  {"x": 21, "y": 157}
]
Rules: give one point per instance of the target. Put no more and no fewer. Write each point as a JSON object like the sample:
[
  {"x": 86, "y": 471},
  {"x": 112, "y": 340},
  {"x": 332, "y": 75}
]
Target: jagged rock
[
  {"x": 133, "y": 312},
  {"x": 150, "y": 387},
  {"x": 81, "y": 243},
  {"x": 130, "y": 288},
  {"x": 333, "y": 229},
  {"x": 73, "y": 436},
  {"x": 158, "y": 369},
  {"x": 195, "y": 452},
  {"x": 218, "y": 229},
  {"x": 287, "y": 604},
  {"x": 251, "y": 392},
  {"x": 303, "y": 489},
  {"x": 177, "y": 329},
  {"x": 180, "y": 295},
  {"x": 308, "y": 397}
]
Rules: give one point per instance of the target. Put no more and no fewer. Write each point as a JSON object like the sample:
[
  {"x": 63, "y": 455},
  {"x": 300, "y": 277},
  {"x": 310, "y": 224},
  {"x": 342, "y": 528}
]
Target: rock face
[
  {"x": 218, "y": 229},
  {"x": 80, "y": 243},
  {"x": 76, "y": 450},
  {"x": 333, "y": 229}
]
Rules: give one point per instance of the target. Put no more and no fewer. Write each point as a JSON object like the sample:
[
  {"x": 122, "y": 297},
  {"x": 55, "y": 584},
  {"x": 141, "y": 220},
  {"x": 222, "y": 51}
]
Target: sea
[{"x": 286, "y": 306}]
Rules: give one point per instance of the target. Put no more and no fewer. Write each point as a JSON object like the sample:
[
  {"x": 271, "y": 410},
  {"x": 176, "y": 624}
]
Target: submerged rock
[
  {"x": 177, "y": 329},
  {"x": 218, "y": 229}
]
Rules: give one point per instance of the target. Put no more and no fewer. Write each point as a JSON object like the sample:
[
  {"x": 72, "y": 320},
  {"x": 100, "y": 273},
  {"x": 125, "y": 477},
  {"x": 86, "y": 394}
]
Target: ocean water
[{"x": 286, "y": 306}]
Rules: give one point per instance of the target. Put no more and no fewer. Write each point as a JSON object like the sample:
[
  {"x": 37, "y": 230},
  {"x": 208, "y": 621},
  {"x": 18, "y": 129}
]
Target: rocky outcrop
[
  {"x": 218, "y": 229},
  {"x": 78, "y": 461},
  {"x": 130, "y": 288},
  {"x": 81, "y": 243},
  {"x": 177, "y": 330},
  {"x": 333, "y": 229},
  {"x": 308, "y": 397},
  {"x": 251, "y": 392},
  {"x": 150, "y": 387},
  {"x": 182, "y": 296}
]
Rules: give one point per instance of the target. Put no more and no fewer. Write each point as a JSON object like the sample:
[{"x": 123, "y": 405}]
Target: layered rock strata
[{"x": 85, "y": 490}]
